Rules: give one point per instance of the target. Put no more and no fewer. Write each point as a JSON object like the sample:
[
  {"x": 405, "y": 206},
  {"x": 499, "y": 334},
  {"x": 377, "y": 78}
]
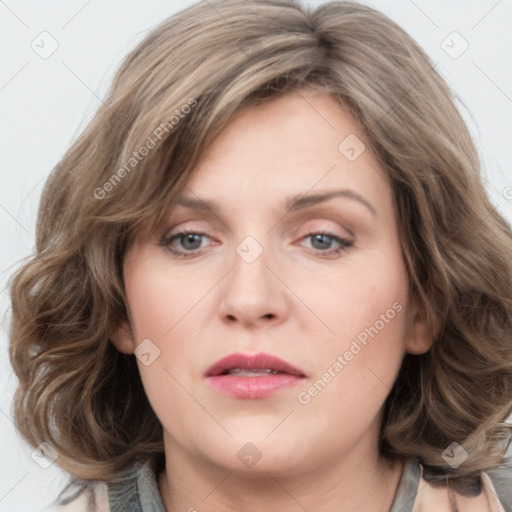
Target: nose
[{"x": 252, "y": 293}]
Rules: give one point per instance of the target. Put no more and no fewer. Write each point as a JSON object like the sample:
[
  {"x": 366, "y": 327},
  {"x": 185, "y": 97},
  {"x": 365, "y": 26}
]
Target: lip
[
  {"x": 259, "y": 361},
  {"x": 253, "y": 387}
]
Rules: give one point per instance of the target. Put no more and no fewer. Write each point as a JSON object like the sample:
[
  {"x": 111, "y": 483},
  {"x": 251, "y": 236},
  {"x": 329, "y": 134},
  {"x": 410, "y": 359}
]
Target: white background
[{"x": 45, "y": 103}]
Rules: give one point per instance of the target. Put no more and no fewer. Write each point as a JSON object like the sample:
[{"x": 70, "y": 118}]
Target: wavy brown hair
[{"x": 185, "y": 81}]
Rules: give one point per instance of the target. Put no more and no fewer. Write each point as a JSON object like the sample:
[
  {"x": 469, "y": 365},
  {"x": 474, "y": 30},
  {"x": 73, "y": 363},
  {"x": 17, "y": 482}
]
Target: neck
[{"x": 189, "y": 484}]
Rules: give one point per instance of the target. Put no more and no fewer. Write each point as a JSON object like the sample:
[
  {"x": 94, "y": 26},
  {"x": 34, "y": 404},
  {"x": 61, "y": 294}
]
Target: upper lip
[{"x": 259, "y": 361}]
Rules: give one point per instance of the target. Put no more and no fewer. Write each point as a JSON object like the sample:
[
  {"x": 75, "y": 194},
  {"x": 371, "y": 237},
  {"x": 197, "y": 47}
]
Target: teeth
[{"x": 254, "y": 372}]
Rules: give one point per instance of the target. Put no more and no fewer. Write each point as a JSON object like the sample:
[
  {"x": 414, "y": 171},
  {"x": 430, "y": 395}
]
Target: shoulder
[
  {"x": 135, "y": 488},
  {"x": 85, "y": 498},
  {"x": 501, "y": 480},
  {"x": 494, "y": 495}
]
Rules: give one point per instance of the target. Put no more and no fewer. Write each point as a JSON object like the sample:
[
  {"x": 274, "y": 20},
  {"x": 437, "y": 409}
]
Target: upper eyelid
[
  {"x": 174, "y": 232},
  {"x": 292, "y": 218}
]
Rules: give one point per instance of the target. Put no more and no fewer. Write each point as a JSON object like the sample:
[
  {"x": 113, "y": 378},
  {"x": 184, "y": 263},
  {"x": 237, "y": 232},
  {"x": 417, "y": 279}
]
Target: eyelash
[{"x": 345, "y": 245}]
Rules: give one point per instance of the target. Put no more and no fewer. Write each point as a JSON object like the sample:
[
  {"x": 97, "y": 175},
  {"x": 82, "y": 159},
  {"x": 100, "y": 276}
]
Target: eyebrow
[{"x": 293, "y": 204}]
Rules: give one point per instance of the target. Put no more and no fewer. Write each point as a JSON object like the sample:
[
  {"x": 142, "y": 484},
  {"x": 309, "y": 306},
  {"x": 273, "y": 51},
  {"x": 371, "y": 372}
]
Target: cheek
[
  {"x": 158, "y": 307},
  {"x": 158, "y": 299},
  {"x": 355, "y": 375},
  {"x": 366, "y": 308},
  {"x": 162, "y": 304},
  {"x": 362, "y": 292}
]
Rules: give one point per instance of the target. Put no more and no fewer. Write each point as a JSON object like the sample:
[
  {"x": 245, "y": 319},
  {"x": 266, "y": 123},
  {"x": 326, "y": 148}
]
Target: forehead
[
  {"x": 296, "y": 147},
  {"x": 282, "y": 156}
]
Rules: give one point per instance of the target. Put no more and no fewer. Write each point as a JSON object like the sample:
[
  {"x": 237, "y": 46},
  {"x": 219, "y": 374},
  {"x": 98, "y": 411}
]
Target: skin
[{"x": 290, "y": 302}]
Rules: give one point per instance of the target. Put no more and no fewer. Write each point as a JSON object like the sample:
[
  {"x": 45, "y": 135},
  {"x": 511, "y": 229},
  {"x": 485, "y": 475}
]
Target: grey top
[
  {"x": 137, "y": 491},
  {"x": 140, "y": 492}
]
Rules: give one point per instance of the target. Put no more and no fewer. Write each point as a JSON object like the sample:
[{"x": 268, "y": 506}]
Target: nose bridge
[
  {"x": 251, "y": 291},
  {"x": 250, "y": 249},
  {"x": 250, "y": 271}
]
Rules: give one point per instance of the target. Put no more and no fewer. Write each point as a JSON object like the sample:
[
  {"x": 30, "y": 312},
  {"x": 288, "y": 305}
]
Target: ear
[
  {"x": 419, "y": 335},
  {"x": 122, "y": 338}
]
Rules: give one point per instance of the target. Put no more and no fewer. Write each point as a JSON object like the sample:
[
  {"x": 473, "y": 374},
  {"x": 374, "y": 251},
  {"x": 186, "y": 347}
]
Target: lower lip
[{"x": 253, "y": 387}]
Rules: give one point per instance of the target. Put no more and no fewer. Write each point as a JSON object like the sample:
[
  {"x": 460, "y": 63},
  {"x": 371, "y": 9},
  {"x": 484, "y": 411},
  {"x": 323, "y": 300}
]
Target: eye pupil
[
  {"x": 322, "y": 239},
  {"x": 190, "y": 238}
]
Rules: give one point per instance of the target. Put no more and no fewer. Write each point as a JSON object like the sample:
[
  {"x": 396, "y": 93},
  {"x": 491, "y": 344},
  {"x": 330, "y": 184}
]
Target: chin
[{"x": 257, "y": 455}]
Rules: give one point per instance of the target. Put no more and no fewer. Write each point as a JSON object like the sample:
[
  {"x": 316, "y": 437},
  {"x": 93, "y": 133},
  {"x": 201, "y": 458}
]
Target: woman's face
[{"x": 274, "y": 269}]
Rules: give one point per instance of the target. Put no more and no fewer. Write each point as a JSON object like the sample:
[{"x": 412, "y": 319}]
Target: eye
[
  {"x": 190, "y": 243},
  {"x": 188, "y": 240},
  {"x": 324, "y": 239}
]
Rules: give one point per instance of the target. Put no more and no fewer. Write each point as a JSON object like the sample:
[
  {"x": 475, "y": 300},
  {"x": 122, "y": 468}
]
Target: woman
[{"x": 268, "y": 275}]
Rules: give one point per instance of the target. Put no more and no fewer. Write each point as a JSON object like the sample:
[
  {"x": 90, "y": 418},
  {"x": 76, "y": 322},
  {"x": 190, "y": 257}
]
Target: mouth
[{"x": 252, "y": 376}]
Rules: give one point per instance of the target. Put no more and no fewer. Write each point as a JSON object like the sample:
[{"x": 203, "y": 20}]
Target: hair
[{"x": 173, "y": 94}]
